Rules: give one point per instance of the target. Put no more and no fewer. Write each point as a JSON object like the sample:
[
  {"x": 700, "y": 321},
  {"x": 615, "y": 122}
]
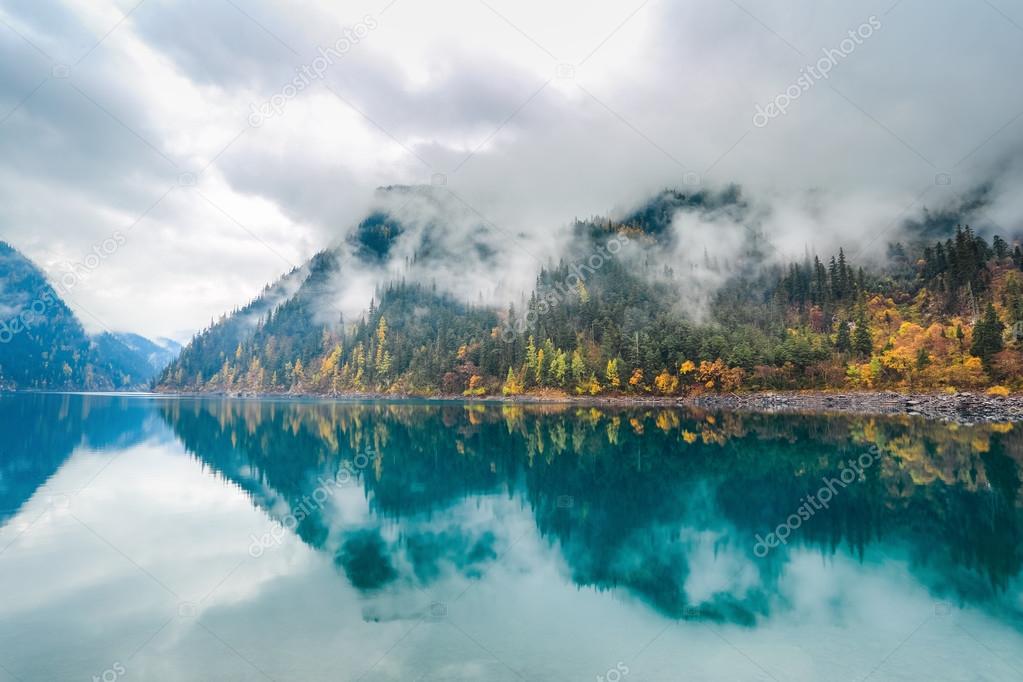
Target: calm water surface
[{"x": 178, "y": 539}]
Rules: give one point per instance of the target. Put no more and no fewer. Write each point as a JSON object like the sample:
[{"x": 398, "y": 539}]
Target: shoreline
[{"x": 960, "y": 408}]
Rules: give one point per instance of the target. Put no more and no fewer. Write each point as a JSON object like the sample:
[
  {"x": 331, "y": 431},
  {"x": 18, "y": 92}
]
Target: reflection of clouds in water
[
  {"x": 849, "y": 591},
  {"x": 839, "y": 618},
  {"x": 695, "y": 566},
  {"x": 717, "y": 558},
  {"x": 431, "y": 556},
  {"x": 81, "y": 574},
  {"x": 677, "y": 543},
  {"x": 715, "y": 567},
  {"x": 603, "y": 578}
]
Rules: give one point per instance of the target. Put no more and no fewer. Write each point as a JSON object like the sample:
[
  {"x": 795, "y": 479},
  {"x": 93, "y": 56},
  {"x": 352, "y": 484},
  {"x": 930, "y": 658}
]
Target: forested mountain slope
[
  {"x": 44, "y": 346},
  {"x": 629, "y": 308}
]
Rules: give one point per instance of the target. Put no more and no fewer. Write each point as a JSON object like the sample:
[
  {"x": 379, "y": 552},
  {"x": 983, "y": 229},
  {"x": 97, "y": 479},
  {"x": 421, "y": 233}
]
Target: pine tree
[
  {"x": 578, "y": 368},
  {"x": 558, "y": 369},
  {"x": 861, "y": 341},
  {"x": 987, "y": 336},
  {"x": 530, "y": 357},
  {"x": 843, "y": 341}
]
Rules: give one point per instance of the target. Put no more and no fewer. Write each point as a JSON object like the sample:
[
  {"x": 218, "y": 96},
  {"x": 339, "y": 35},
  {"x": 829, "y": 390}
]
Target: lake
[{"x": 155, "y": 538}]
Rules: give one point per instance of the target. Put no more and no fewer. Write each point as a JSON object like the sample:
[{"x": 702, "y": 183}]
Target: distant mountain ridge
[
  {"x": 635, "y": 305},
  {"x": 43, "y": 345},
  {"x": 158, "y": 353}
]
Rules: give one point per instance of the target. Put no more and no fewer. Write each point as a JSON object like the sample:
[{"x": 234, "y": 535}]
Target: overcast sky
[{"x": 149, "y": 119}]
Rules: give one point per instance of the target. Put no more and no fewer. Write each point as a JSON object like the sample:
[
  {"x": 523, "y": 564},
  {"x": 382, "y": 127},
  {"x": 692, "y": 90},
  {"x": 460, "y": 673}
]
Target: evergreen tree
[
  {"x": 861, "y": 341},
  {"x": 843, "y": 341},
  {"x": 578, "y": 368},
  {"x": 987, "y": 337}
]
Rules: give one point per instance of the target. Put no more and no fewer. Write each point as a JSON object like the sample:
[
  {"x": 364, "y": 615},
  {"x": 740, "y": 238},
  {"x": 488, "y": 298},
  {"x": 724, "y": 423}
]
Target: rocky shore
[{"x": 961, "y": 408}]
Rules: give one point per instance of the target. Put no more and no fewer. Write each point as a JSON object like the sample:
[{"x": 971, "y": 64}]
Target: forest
[{"x": 935, "y": 316}]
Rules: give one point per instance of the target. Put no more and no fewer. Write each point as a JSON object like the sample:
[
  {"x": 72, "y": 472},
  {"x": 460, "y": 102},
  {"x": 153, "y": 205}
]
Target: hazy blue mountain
[
  {"x": 157, "y": 353},
  {"x": 44, "y": 346},
  {"x": 169, "y": 345},
  {"x": 42, "y": 343}
]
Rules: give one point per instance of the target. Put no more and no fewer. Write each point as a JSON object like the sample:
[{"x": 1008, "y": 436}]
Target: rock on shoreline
[{"x": 961, "y": 408}]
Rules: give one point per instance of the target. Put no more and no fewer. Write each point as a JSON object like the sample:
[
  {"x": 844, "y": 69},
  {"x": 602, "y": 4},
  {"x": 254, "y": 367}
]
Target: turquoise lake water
[{"x": 153, "y": 538}]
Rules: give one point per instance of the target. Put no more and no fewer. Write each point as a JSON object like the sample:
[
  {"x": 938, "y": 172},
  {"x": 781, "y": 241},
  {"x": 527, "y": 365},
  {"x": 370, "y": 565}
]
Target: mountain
[
  {"x": 634, "y": 305},
  {"x": 134, "y": 358},
  {"x": 44, "y": 346},
  {"x": 656, "y": 215},
  {"x": 295, "y": 320},
  {"x": 169, "y": 345},
  {"x": 157, "y": 353}
]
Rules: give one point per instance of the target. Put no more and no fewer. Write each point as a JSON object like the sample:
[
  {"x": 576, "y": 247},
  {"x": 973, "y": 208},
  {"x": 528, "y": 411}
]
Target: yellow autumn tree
[
  {"x": 475, "y": 386},
  {"x": 382, "y": 361},
  {"x": 666, "y": 383},
  {"x": 611, "y": 373},
  {"x": 512, "y": 385},
  {"x": 636, "y": 380}
]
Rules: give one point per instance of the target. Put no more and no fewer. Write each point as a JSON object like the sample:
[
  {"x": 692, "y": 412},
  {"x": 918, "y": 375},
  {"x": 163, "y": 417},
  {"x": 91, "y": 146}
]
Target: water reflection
[
  {"x": 212, "y": 539},
  {"x": 41, "y": 431},
  {"x": 662, "y": 505}
]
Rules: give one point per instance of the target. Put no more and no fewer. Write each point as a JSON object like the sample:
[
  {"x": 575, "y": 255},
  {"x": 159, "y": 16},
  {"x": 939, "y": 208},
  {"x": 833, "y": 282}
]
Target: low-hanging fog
[{"x": 227, "y": 149}]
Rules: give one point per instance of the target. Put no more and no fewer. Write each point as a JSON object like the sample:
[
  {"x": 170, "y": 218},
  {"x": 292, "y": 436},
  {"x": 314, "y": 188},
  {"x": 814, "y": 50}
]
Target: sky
[{"x": 167, "y": 159}]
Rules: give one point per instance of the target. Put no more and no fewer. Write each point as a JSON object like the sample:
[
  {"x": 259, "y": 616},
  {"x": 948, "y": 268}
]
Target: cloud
[{"x": 483, "y": 96}]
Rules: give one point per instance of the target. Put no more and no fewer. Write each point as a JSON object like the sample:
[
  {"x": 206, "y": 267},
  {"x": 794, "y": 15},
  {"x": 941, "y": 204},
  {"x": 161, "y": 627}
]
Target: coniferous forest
[{"x": 932, "y": 315}]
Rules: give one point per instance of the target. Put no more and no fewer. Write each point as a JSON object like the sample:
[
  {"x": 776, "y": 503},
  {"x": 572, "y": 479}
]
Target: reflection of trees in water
[
  {"x": 630, "y": 495},
  {"x": 40, "y": 431}
]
